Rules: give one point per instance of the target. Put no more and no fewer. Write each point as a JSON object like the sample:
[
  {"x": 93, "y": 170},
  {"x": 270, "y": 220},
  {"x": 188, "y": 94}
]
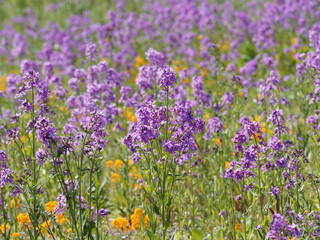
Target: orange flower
[
  {"x": 118, "y": 163},
  {"x": 60, "y": 219},
  {"x": 137, "y": 218},
  {"x": 16, "y": 235},
  {"x": 114, "y": 177},
  {"x": 23, "y": 218},
  {"x": 110, "y": 163},
  {"x": 227, "y": 164},
  {"x": 51, "y": 206},
  {"x": 138, "y": 176},
  {"x": 238, "y": 227},
  {"x": 2, "y": 228},
  {"x": 13, "y": 202},
  {"x": 121, "y": 224},
  {"x": 45, "y": 226}
]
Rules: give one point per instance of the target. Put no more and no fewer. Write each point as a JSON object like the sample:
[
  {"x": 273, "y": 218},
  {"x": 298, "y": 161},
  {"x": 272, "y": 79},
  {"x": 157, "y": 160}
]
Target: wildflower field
[{"x": 159, "y": 119}]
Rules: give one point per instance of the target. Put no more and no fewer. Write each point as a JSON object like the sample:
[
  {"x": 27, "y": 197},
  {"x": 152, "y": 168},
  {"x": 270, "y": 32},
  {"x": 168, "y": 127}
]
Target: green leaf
[
  {"x": 197, "y": 235},
  {"x": 151, "y": 235}
]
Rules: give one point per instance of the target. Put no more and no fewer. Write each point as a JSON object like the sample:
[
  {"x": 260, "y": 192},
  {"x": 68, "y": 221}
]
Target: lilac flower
[
  {"x": 103, "y": 212},
  {"x": 62, "y": 203},
  {"x": 276, "y": 118},
  {"x": 252, "y": 128},
  {"x": 214, "y": 125},
  {"x": 6, "y": 177},
  {"x": 91, "y": 51},
  {"x": 3, "y": 159},
  {"x": 313, "y": 120},
  {"x": 274, "y": 191},
  {"x": 239, "y": 140},
  {"x": 15, "y": 192},
  {"x": 41, "y": 156},
  {"x": 168, "y": 78},
  {"x": 222, "y": 213},
  {"x": 155, "y": 57},
  {"x": 12, "y": 134},
  {"x": 279, "y": 228},
  {"x": 275, "y": 143}
]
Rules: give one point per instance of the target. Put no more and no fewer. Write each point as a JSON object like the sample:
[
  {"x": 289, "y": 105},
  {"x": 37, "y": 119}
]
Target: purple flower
[
  {"x": 103, "y": 212},
  {"x": 313, "y": 120},
  {"x": 155, "y": 57},
  {"x": 222, "y": 213},
  {"x": 239, "y": 140},
  {"x": 91, "y": 51},
  {"x": 15, "y": 192},
  {"x": 6, "y": 177},
  {"x": 276, "y": 118},
  {"x": 168, "y": 78},
  {"x": 12, "y": 134},
  {"x": 274, "y": 191},
  {"x": 214, "y": 125},
  {"x": 41, "y": 156},
  {"x": 275, "y": 143},
  {"x": 3, "y": 159}
]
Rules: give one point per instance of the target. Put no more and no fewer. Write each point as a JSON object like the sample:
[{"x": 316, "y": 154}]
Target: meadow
[{"x": 167, "y": 119}]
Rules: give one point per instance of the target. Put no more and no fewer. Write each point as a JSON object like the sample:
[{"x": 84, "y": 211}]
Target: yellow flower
[
  {"x": 218, "y": 141},
  {"x": 293, "y": 41},
  {"x": 110, "y": 163},
  {"x": 16, "y": 234},
  {"x": 114, "y": 177},
  {"x": 51, "y": 205},
  {"x": 23, "y": 218},
  {"x": 120, "y": 223},
  {"x": 2, "y": 228},
  {"x": 69, "y": 230},
  {"x": 60, "y": 219},
  {"x": 238, "y": 227},
  {"x": 118, "y": 163}
]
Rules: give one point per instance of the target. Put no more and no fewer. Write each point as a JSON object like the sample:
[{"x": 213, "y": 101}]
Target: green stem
[
  {"x": 164, "y": 228},
  {"x": 34, "y": 161}
]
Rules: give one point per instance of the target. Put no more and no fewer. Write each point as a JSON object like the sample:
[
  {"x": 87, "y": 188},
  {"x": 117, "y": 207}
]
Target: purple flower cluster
[
  {"x": 277, "y": 120},
  {"x": 280, "y": 229},
  {"x": 7, "y": 176},
  {"x": 151, "y": 121},
  {"x": 214, "y": 125}
]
